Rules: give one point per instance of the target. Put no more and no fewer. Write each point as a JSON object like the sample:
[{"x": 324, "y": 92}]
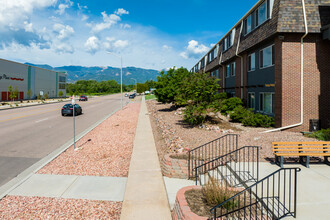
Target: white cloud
[
  {"x": 92, "y": 44},
  {"x": 84, "y": 18},
  {"x": 128, "y": 73},
  {"x": 63, "y": 31},
  {"x": 14, "y": 13},
  {"x": 63, "y": 48},
  {"x": 125, "y": 26},
  {"x": 121, "y": 11},
  {"x": 194, "y": 50},
  {"x": 82, "y": 6},
  {"x": 61, "y": 8},
  {"x": 28, "y": 26},
  {"x": 166, "y": 47},
  {"x": 120, "y": 43}
]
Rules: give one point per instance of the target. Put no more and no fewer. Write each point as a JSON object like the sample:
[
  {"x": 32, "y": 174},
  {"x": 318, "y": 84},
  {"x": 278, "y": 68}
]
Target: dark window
[{"x": 61, "y": 85}]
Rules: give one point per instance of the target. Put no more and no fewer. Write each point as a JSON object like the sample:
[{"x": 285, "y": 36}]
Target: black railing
[
  {"x": 234, "y": 169},
  {"x": 273, "y": 197},
  {"x": 210, "y": 151}
]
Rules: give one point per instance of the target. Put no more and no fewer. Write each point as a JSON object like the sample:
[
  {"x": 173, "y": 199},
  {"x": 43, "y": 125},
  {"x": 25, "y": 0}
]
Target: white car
[{"x": 126, "y": 94}]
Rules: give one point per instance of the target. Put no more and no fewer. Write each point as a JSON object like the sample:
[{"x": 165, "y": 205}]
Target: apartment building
[
  {"x": 277, "y": 59},
  {"x": 30, "y": 78}
]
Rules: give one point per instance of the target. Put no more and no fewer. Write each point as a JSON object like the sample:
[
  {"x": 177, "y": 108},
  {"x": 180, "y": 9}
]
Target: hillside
[{"x": 104, "y": 73}]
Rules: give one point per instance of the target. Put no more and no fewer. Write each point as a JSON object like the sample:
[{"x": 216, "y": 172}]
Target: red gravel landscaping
[
  {"x": 107, "y": 154},
  {"x": 19, "y": 207}
]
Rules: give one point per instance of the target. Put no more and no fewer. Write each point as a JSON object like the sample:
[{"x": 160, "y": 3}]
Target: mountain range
[{"x": 75, "y": 73}]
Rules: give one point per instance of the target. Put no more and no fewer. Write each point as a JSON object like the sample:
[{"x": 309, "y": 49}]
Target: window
[
  {"x": 225, "y": 44},
  {"x": 61, "y": 78},
  {"x": 262, "y": 14},
  {"x": 233, "y": 68},
  {"x": 267, "y": 102},
  {"x": 267, "y": 57},
  {"x": 217, "y": 74},
  {"x": 228, "y": 70},
  {"x": 252, "y": 62},
  {"x": 247, "y": 25},
  {"x": 251, "y": 100},
  {"x": 61, "y": 85}
]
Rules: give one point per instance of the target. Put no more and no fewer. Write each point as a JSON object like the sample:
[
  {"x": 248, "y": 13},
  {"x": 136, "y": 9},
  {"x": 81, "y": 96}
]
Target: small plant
[
  {"x": 230, "y": 104},
  {"x": 16, "y": 104},
  {"x": 194, "y": 114},
  {"x": 258, "y": 120},
  {"x": 239, "y": 113},
  {"x": 45, "y": 96},
  {"x": 38, "y": 96},
  {"x": 215, "y": 194},
  {"x": 322, "y": 135},
  {"x": 60, "y": 93}
]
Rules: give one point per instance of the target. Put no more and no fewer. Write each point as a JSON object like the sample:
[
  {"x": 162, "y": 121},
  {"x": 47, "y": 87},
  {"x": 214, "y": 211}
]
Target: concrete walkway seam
[{"x": 26, "y": 174}]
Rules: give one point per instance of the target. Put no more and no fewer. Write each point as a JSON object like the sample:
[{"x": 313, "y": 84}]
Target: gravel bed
[
  {"x": 173, "y": 135},
  {"x": 108, "y": 153},
  {"x": 18, "y": 207}
]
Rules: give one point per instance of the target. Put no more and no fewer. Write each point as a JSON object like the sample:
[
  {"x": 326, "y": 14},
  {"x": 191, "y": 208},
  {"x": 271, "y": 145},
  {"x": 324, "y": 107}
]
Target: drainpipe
[
  {"x": 223, "y": 72},
  {"x": 239, "y": 40},
  {"x": 301, "y": 77}
]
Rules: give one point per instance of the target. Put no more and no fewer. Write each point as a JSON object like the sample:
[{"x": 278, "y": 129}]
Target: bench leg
[
  {"x": 282, "y": 160},
  {"x": 301, "y": 160},
  {"x": 326, "y": 160}
]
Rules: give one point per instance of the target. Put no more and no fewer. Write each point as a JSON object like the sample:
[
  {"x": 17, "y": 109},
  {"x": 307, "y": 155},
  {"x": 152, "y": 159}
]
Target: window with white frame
[
  {"x": 251, "y": 100},
  {"x": 267, "y": 57},
  {"x": 252, "y": 62},
  {"x": 247, "y": 25},
  {"x": 266, "y": 102}
]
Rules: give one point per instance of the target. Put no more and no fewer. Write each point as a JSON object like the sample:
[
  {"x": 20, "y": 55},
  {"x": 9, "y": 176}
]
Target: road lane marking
[
  {"x": 45, "y": 119},
  {"x": 24, "y": 116}
]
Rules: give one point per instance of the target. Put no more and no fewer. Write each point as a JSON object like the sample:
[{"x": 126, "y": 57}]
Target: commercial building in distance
[
  {"x": 277, "y": 59},
  {"x": 30, "y": 78}
]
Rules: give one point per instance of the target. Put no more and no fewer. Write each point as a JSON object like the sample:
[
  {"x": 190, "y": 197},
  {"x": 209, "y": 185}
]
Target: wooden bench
[{"x": 303, "y": 150}]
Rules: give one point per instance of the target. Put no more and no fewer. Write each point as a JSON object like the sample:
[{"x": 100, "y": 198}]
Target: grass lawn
[{"x": 147, "y": 97}]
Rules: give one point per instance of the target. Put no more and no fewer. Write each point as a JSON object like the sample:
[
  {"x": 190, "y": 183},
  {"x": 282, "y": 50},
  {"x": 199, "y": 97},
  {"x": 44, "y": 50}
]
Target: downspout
[
  {"x": 223, "y": 72},
  {"x": 239, "y": 40},
  {"x": 301, "y": 77}
]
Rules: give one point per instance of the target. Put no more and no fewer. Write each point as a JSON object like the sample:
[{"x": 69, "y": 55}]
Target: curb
[
  {"x": 25, "y": 106},
  {"x": 26, "y": 174}
]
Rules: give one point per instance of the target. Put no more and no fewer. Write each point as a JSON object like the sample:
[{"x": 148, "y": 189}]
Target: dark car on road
[
  {"x": 131, "y": 96},
  {"x": 83, "y": 98},
  {"x": 67, "y": 109}
]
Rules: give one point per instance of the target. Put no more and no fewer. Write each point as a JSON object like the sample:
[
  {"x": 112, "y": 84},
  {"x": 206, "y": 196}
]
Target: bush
[
  {"x": 258, "y": 120},
  {"x": 46, "y": 96},
  {"x": 194, "y": 114},
  {"x": 230, "y": 104},
  {"x": 239, "y": 113},
  {"x": 322, "y": 135}
]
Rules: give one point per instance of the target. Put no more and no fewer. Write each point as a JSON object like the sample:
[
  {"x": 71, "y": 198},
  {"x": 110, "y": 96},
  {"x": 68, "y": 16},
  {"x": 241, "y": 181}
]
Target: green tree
[
  {"x": 29, "y": 93},
  {"x": 60, "y": 93},
  {"x": 16, "y": 92},
  {"x": 11, "y": 94},
  {"x": 46, "y": 96},
  {"x": 169, "y": 83}
]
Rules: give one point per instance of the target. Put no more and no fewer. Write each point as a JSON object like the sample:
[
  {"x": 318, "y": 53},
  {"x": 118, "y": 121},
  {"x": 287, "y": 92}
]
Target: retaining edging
[
  {"x": 174, "y": 168},
  {"x": 181, "y": 210}
]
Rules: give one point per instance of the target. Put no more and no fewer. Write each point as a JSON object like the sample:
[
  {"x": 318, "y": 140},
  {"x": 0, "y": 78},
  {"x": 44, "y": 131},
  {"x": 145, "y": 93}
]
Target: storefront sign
[{"x": 5, "y": 77}]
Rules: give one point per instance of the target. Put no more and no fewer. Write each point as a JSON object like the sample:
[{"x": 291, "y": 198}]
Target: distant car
[
  {"x": 131, "y": 96},
  {"x": 67, "y": 109},
  {"x": 126, "y": 94},
  {"x": 83, "y": 98}
]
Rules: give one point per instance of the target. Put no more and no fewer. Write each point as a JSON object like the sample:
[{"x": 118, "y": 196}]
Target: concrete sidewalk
[{"x": 145, "y": 195}]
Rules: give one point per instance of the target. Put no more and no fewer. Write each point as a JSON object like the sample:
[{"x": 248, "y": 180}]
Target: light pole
[
  {"x": 135, "y": 83},
  {"x": 121, "y": 76}
]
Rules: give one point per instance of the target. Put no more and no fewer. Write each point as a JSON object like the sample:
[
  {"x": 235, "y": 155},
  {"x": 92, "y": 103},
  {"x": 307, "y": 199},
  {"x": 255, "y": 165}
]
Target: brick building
[{"x": 277, "y": 59}]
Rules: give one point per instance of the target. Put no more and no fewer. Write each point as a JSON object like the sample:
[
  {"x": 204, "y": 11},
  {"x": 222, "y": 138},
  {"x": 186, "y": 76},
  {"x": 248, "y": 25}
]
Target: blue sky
[{"x": 155, "y": 34}]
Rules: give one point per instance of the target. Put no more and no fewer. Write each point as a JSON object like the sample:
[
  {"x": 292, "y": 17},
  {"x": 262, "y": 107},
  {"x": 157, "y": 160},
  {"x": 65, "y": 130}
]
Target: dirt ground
[{"x": 173, "y": 135}]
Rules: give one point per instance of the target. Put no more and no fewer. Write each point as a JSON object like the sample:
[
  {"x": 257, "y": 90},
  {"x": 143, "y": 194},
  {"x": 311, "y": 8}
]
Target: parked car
[
  {"x": 67, "y": 109},
  {"x": 131, "y": 96},
  {"x": 126, "y": 94},
  {"x": 83, "y": 98}
]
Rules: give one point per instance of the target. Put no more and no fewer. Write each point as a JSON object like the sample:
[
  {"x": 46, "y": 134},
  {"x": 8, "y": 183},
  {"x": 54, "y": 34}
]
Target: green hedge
[{"x": 248, "y": 118}]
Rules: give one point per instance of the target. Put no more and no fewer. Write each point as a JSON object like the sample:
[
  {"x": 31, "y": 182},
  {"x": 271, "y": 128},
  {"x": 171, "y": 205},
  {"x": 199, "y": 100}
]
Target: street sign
[
  {"x": 41, "y": 93},
  {"x": 73, "y": 101}
]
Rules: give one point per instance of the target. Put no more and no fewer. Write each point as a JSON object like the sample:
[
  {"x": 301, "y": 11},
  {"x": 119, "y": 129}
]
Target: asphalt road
[{"x": 29, "y": 134}]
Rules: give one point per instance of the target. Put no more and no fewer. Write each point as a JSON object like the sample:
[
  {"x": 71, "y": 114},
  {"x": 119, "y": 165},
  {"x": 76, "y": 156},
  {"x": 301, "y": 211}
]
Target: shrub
[
  {"x": 194, "y": 114},
  {"x": 215, "y": 194},
  {"x": 230, "y": 104},
  {"x": 258, "y": 120},
  {"x": 239, "y": 113},
  {"x": 46, "y": 96},
  {"x": 322, "y": 135}
]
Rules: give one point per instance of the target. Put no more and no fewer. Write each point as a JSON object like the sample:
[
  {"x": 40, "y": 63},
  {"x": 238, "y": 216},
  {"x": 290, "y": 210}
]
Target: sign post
[{"x": 74, "y": 133}]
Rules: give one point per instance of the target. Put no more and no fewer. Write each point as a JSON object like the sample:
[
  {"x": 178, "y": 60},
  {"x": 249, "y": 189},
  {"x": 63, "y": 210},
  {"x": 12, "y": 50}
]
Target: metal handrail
[
  {"x": 277, "y": 202},
  {"x": 211, "y": 150},
  {"x": 244, "y": 167}
]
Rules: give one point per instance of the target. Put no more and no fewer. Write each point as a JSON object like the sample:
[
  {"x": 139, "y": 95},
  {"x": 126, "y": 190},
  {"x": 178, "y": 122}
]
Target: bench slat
[
  {"x": 301, "y": 146},
  {"x": 280, "y": 150},
  {"x": 304, "y": 143},
  {"x": 303, "y": 154}
]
